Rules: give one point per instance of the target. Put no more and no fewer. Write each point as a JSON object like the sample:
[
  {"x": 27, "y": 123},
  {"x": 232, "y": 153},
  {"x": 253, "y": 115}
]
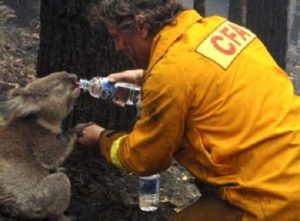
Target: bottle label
[
  {"x": 107, "y": 90},
  {"x": 149, "y": 186}
]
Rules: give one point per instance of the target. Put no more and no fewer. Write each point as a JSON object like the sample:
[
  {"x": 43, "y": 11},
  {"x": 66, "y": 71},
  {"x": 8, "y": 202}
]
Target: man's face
[{"x": 136, "y": 46}]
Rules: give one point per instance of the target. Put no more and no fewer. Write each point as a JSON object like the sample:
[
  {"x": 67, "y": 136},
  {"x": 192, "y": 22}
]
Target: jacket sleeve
[
  {"x": 150, "y": 147},
  {"x": 107, "y": 139}
]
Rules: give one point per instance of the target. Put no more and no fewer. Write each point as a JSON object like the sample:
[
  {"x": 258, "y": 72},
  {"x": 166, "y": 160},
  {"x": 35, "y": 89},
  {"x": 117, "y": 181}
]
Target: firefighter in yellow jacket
[{"x": 214, "y": 99}]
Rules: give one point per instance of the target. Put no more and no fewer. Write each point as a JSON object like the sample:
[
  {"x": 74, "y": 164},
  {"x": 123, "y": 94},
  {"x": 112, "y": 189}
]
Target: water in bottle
[
  {"x": 127, "y": 94},
  {"x": 120, "y": 92},
  {"x": 149, "y": 192}
]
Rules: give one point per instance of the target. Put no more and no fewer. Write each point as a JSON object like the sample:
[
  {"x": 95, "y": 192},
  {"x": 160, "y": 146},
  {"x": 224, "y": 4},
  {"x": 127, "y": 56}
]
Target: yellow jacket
[{"x": 214, "y": 99}]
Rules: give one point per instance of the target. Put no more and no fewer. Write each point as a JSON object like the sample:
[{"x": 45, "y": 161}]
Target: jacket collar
[{"x": 170, "y": 33}]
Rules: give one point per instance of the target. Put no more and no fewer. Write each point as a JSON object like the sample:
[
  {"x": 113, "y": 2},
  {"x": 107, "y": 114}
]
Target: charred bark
[
  {"x": 237, "y": 11},
  {"x": 268, "y": 20},
  {"x": 199, "y": 6}
]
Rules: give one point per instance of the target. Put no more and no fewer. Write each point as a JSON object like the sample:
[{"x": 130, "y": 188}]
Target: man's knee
[{"x": 209, "y": 208}]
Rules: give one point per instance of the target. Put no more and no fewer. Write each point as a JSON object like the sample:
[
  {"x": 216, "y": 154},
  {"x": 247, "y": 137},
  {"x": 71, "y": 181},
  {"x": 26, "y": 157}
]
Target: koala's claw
[
  {"x": 79, "y": 127},
  {"x": 61, "y": 170}
]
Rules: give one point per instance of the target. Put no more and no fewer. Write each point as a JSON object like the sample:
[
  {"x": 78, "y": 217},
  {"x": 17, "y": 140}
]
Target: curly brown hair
[{"x": 124, "y": 13}]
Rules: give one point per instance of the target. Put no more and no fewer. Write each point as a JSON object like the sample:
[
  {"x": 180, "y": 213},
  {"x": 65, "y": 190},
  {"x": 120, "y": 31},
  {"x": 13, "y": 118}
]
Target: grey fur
[{"x": 32, "y": 146}]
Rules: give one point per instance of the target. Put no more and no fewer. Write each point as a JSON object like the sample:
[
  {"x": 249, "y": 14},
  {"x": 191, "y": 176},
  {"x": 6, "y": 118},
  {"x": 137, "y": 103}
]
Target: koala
[{"x": 33, "y": 147}]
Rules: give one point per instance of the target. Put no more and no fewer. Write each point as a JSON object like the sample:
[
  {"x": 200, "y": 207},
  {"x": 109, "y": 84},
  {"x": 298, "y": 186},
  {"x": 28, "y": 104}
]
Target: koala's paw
[
  {"x": 60, "y": 170},
  {"x": 79, "y": 127}
]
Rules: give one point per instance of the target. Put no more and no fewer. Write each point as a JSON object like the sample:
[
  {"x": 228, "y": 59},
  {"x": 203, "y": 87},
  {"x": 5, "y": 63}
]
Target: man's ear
[{"x": 142, "y": 26}]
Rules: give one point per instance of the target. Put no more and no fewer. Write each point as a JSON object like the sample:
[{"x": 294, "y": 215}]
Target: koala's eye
[{"x": 72, "y": 78}]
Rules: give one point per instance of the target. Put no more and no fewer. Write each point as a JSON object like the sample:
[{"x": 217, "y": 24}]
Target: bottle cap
[{"x": 84, "y": 84}]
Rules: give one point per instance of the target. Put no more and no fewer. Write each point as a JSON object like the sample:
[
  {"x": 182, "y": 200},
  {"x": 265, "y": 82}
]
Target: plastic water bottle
[
  {"x": 149, "y": 192},
  {"x": 121, "y": 92}
]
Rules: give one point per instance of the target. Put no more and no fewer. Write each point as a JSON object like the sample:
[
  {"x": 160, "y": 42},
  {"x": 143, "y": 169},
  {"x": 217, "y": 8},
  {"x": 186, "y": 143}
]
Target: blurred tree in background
[{"x": 269, "y": 21}]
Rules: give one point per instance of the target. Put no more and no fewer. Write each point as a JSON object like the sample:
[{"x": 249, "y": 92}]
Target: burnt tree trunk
[
  {"x": 237, "y": 11},
  {"x": 199, "y": 6},
  {"x": 268, "y": 20},
  {"x": 68, "y": 42}
]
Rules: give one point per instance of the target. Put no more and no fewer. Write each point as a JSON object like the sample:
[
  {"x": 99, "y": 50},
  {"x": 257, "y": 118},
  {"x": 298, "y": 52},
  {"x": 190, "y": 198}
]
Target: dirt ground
[
  {"x": 104, "y": 193},
  {"x": 100, "y": 192}
]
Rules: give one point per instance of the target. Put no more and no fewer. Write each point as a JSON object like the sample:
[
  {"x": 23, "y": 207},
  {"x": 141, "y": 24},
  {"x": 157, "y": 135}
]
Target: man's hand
[
  {"x": 129, "y": 76},
  {"x": 90, "y": 135}
]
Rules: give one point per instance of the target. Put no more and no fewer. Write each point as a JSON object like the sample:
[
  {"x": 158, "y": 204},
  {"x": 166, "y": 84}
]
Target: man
[{"x": 215, "y": 100}]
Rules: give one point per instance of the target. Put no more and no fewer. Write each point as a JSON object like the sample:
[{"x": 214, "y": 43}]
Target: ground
[
  {"x": 104, "y": 193},
  {"x": 100, "y": 192},
  {"x": 109, "y": 194}
]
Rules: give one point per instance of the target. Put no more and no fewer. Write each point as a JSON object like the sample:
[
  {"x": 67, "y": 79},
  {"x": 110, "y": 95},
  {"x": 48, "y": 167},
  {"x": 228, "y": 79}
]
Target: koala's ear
[{"x": 20, "y": 104}]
